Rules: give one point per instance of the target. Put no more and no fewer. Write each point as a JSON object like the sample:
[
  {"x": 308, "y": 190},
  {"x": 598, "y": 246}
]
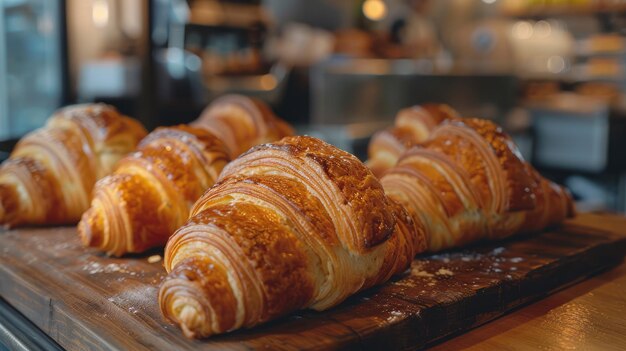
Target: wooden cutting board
[{"x": 87, "y": 301}]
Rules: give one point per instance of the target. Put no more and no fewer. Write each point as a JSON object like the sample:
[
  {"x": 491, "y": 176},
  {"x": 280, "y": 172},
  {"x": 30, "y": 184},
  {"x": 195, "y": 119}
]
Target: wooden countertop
[
  {"x": 83, "y": 299},
  {"x": 590, "y": 315}
]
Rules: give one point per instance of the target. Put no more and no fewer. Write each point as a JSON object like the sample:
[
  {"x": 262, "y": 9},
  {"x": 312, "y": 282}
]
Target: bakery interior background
[{"x": 552, "y": 72}]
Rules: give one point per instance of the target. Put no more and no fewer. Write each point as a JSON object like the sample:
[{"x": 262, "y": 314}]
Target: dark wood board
[{"x": 87, "y": 301}]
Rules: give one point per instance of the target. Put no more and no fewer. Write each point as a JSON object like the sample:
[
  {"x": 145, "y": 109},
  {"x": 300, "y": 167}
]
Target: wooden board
[{"x": 85, "y": 300}]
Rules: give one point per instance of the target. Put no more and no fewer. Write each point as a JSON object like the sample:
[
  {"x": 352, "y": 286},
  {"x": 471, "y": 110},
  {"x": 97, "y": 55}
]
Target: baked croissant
[
  {"x": 412, "y": 126},
  {"x": 50, "y": 174},
  {"x": 469, "y": 182},
  {"x": 292, "y": 224},
  {"x": 151, "y": 191},
  {"x": 242, "y": 122}
]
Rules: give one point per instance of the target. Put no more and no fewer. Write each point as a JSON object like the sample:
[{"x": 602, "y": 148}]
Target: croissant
[
  {"x": 469, "y": 182},
  {"x": 151, "y": 192},
  {"x": 242, "y": 122},
  {"x": 50, "y": 174},
  {"x": 412, "y": 126},
  {"x": 289, "y": 225}
]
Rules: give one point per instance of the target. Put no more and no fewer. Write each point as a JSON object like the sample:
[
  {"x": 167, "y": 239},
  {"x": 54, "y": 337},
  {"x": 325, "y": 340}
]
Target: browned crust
[
  {"x": 78, "y": 145},
  {"x": 518, "y": 180},
  {"x": 180, "y": 163},
  {"x": 293, "y": 192},
  {"x": 38, "y": 181},
  {"x": 358, "y": 186},
  {"x": 101, "y": 121},
  {"x": 259, "y": 126},
  {"x": 421, "y": 163},
  {"x": 206, "y": 140},
  {"x": 141, "y": 202},
  {"x": 406, "y": 132},
  {"x": 173, "y": 162},
  {"x": 462, "y": 152},
  {"x": 271, "y": 248}
]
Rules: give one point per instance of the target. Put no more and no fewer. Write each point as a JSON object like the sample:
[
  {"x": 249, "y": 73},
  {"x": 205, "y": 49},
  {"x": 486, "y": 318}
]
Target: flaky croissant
[
  {"x": 50, "y": 174},
  {"x": 469, "y": 182},
  {"x": 242, "y": 122},
  {"x": 290, "y": 225},
  {"x": 412, "y": 126},
  {"x": 151, "y": 191}
]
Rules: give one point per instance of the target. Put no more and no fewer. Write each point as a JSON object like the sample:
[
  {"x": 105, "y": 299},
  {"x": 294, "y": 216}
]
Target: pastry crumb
[
  {"x": 443, "y": 271},
  {"x": 154, "y": 258}
]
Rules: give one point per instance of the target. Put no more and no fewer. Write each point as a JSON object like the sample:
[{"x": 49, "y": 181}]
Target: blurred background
[{"x": 552, "y": 72}]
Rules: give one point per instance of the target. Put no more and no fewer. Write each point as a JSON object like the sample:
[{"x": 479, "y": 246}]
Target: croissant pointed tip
[
  {"x": 91, "y": 228},
  {"x": 188, "y": 320},
  {"x": 180, "y": 303}
]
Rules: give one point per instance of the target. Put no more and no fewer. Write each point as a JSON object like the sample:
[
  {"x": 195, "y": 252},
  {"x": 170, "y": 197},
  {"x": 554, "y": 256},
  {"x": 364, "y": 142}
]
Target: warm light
[
  {"x": 489, "y": 1},
  {"x": 374, "y": 10},
  {"x": 543, "y": 28},
  {"x": 100, "y": 13},
  {"x": 268, "y": 82},
  {"x": 556, "y": 64},
  {"x": 523, "y": 30}
]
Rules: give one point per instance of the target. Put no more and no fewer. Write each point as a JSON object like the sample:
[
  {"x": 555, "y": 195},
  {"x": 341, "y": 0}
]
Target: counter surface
[
  {"x": 85, "y": 300},
  {"x": 590, "y": 315}
]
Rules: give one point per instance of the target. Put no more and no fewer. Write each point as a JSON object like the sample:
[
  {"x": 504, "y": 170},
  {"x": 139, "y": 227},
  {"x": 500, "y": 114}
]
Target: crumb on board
[
  {"x": 444, "y": 271},
  {"x": 417, "y": 271},
  {"x": 154, "y": 258}
]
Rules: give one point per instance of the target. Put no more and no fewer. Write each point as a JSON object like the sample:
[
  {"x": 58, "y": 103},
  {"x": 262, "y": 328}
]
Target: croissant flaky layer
[
  {"x": 242, "y": 122},
  {"x": 50, "y": 174},
  {"x": 151, "y": 191},
  {"x": 293, "y": 224},
  {"x": 412, "y": 126},
  {"x": 468, "y": 181}
]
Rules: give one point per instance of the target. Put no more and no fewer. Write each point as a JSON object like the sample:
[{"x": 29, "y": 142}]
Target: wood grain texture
[
  {"x": 587, "y": 316},
  {"x": 85, "y": 300}
]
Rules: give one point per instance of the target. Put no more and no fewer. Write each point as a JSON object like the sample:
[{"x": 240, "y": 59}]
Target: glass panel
[{"x": 32, "y": 60}]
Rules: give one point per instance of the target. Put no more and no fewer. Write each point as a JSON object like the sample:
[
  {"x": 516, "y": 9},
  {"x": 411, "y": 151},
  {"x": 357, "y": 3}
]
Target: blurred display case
[
  {"x": 582, "y": 139},
  {"x": 579, "y": 133},
  {"x": 362, "y": 90},
  {"x": 353, "y": 98},
  {"x": 32, "y": 63}
]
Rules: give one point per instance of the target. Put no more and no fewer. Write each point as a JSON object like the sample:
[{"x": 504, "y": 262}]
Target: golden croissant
[
  {"x": 242, "y": 122},
  {"x": 50, "y": 174},
  {"x": 151, "y": 192},
  {"x": 293, "y": 224},
  {"x": 412, "y": 126},
  {"x": 469, "y": 182}
]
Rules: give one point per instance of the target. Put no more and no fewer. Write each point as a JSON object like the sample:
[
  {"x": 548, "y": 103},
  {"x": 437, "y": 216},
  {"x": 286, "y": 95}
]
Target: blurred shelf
[
  {"x": 543, "y": 11},
  {"x": 227, "y": 14}
]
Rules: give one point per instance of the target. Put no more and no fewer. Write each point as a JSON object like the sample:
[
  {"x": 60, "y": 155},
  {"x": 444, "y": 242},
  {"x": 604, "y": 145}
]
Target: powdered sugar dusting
[
  {"x": 96, "y": 268},
  {"x": 135, "y": 298}
]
